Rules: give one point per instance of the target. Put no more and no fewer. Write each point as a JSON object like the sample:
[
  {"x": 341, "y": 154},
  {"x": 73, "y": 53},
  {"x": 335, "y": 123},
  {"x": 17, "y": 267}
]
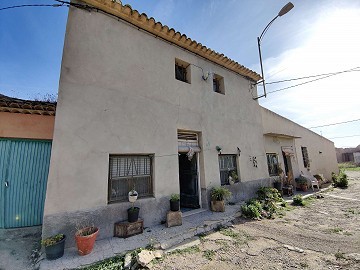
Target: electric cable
[
  {"x": 313, "y": 76},
  {"x": 292, "y": 86},
  {"x": 32, "y": 5},
  {"x": 345, "y": 137},
  {"x": 333, "y": 124}
]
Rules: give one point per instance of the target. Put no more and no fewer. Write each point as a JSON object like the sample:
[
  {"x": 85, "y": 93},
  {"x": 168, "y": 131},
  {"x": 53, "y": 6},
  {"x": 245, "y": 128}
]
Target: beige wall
[
  {"x": 320, "y": 163},
  {"x": 118, "y": 94},
  {"x": 27, "y": 126}
]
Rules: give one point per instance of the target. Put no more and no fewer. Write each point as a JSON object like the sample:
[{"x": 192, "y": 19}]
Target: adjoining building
[
  {"x": 141, "y": 105},
  {"x": 26, "y": 131}
]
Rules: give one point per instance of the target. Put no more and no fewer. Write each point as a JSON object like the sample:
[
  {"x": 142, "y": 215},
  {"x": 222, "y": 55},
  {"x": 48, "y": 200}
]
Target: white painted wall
[
  {"x": 118, "y": 95},
  {"x": 320, "y": 163}
]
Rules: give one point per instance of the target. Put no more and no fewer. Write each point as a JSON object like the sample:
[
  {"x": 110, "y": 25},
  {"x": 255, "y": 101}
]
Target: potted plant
[
  {"x": 277, "y": 183},
  {"x": 133, "y": 212},
  {"x": 54, "y": 246},
  {"x": 85, "y": 237},
  {"x": 233, "y": 177},
  {"x": 302, "y": 183},
  {"x": 218, "y": 195},
  {"x": 175, "y": 202}
]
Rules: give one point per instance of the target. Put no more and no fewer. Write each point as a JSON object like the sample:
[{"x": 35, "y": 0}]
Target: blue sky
[{"x": 315, "y": 37}]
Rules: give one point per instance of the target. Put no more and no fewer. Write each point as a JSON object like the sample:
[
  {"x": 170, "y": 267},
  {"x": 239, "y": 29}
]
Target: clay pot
[{"x": 85, "y": 241}]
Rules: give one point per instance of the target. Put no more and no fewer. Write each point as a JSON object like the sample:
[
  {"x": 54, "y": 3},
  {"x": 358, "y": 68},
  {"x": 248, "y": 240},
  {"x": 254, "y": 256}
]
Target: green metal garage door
[{"x": 24, "y": 167}]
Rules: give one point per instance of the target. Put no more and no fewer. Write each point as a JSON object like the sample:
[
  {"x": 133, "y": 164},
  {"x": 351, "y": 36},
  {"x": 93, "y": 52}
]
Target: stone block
[{"x": 173, "y": 219}]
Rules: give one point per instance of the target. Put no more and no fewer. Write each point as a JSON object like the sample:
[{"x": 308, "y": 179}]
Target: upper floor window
[
  {"x": 182, "y": 71},
  {"x": 272, "y": 161},
  {"x": 127, "y": 172},
  {"x": 227, "y": 165},
  {"x": 218, "y": 84},
  {"x": 305, "y": 157}
]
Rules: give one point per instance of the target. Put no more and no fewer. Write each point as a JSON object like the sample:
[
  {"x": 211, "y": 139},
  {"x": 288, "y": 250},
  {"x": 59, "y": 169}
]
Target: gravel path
[{"x": 323, "y": 235}]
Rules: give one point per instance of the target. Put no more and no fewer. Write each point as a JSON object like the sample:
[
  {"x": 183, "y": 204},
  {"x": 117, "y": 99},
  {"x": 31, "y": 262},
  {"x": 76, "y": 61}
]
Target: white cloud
[{"x": 332, "y": 45}]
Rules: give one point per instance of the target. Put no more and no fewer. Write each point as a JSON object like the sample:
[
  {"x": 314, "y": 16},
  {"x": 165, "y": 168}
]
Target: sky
[{"x": 315, "y": 37}]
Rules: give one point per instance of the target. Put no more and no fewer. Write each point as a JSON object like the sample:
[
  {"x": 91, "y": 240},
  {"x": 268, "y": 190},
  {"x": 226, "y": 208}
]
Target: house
[
  {"x": 26, "y": 131},
  {"x": 348, "y": 155},
  {"x": 141, "y": 105}
]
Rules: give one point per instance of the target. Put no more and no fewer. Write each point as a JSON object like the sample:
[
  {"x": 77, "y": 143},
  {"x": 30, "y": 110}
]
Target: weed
[
  {"x": 112, "y": 263},
  {"x": 298, "y": 200},
  {"x": 190, "y": 250},
  {"x": 340, "y": 180},
  {"x": 336, "y": 230},
  {"x": 304, "y": 265},
  {"x": 229, "y": 232},
  {"x": 339, "y": 255},
  {"x": 209, "y": 254},
  {"x": 347, "y": 233}
]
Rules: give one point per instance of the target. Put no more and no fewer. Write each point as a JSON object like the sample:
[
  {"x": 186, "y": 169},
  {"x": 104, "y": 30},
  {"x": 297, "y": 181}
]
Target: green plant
[
  {"x": 234, "y": 175},
  {"x": 301, "y": 180},
  {"x": 175, "y": 197},
  {"x": 298, "y": 200},
  {"x": 269, "y": 193},
  {"x": 52, "y": 240},
  {"x": 341, "y": 180},
  {"x": 220, "y": 193},
  {"x": 339, "y": 255},
  {"x": 209, "y": 254},
  {"x": 252, "y": 209}
]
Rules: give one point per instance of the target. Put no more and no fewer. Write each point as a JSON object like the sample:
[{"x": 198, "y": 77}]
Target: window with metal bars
[
  {"x": 127, "y": 172},
  {"x": 218, "y": 84},
  {"x": 227, "y": 165},
  {"x": 272, "y": 161},
  {"x": 305, "y": 157}
]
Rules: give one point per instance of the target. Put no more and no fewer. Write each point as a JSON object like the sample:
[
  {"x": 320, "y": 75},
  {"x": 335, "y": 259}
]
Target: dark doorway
[
  {"x": 288, "y": 168},
  {"x": 188, "y": 175}
]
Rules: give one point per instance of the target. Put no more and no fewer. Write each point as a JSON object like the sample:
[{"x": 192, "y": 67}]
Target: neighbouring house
[
  {"x": 348, "y": 155},
  {"x": 26, "y": 131},
  {"x": 141, "y": 105}
]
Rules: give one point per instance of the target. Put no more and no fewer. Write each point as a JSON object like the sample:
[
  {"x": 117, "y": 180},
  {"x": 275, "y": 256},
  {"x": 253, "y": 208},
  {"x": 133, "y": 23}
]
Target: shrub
[
  {"x": 301, "y": 180},
  {"x": 298, "y": 200},
  {"x": 175, "y": 197},
  {"x": 341, "y": 180},
  {"x": 269, "y": 193},
  {"x": 220, "y": 193},
  {"x": 251, "y": 210}
]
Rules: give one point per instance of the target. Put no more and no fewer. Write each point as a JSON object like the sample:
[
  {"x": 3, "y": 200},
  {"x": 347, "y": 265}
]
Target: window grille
[
  {"x": 305, "y": 157},
  {"x": 272, "y": 161},
  {"x": 227, "y": 164},
  {"x": 128, "y": 172}
]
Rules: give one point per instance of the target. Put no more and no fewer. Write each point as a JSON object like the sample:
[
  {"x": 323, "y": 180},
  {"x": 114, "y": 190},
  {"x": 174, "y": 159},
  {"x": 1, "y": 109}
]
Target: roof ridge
[{"x": 125, "y": 12}]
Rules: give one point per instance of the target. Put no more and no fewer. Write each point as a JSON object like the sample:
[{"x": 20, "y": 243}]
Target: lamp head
[{"x": 286, "y": 9}]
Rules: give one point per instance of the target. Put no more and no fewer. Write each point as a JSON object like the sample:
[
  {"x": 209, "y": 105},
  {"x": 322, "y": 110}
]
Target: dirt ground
[{"x": 325, "y": 234}]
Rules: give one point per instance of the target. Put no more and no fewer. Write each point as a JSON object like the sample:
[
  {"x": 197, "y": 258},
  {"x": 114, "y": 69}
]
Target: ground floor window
[
  {"x": 227, "y": 165},
  {"x": 272, "y": 161},
  {"x": 305, "y": 157},
  {"x": 127, "y": 172}
]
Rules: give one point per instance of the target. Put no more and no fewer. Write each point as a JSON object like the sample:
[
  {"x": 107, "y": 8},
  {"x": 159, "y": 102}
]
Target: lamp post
[{"x": 282, "y": 12}]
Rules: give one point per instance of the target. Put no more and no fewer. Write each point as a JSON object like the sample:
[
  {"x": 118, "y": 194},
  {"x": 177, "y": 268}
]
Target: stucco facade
[
  {"x": 119, "y": 95},
  {"x": 321, "y": 151}
]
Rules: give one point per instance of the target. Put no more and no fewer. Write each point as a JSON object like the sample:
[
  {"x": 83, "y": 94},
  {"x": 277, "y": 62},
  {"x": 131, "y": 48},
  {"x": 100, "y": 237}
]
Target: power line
[
  {"x": 336, "y": 123},
  {"x": 331, "y": 74},
  {"x": 313, "y": 76},
  {"x": 344, "y": 137},
  {"x": 32, "y": 5}
]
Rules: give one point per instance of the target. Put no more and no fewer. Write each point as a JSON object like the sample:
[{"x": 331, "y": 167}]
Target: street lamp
[{"x": 282, "y": 12}]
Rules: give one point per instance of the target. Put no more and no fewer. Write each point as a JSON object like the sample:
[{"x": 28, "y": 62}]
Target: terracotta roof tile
[{"x": 15, "y": 105}]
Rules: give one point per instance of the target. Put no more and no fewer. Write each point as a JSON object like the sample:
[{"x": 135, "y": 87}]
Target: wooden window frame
[
  {"x": 225, "y": 170},
  {"x": 272, "y": 167}
]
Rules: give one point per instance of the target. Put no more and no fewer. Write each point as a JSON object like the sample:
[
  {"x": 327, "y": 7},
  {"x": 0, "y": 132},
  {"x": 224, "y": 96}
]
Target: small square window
[
  {"x": 218, "y": 84},
  {"x": 182, "y": 71}
]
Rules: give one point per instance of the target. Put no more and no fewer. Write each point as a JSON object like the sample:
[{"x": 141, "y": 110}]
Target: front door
[
  {"x": 188, "y": 175},
  {"x": 24, "y": 167}
]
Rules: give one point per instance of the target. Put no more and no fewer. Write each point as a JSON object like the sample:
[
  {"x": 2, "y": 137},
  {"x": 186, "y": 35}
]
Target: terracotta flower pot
[
  {"x": 85, "y": 240},
  {"x": 303, "y": 187}
]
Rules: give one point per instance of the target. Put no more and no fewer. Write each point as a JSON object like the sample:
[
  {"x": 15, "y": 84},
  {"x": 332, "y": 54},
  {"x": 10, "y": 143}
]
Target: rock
[
  {"x": 145, "y": 257},
  {"x": 158, "y": 254},
  {"x": 127, "y": 261},
  {"x": 293, "y": 248},
  {"x": 353, "y": 256}
]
